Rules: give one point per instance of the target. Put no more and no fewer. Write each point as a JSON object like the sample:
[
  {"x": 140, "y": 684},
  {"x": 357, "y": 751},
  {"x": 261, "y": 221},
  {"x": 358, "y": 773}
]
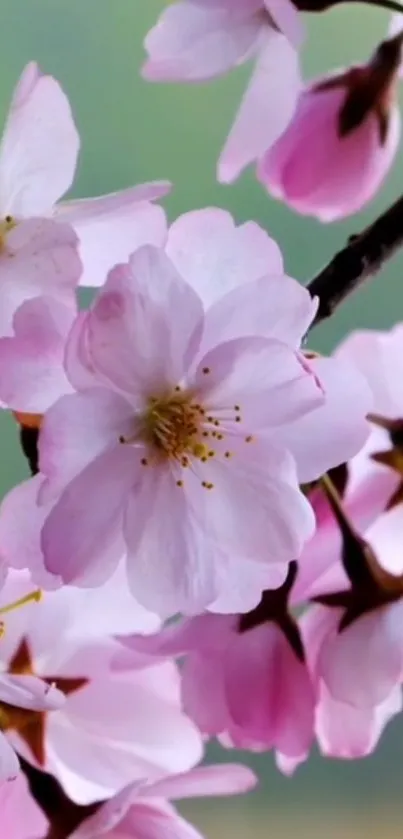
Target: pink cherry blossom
[
  {"x": 21, "y": 818},
  {"x": 38, "y": 157},
  {"x": 143, "y": 809},
  {"x": 113, "y": 728},
  {"x": 140, "y": 342},
  {"x": 244, "y": 678},
  {"x": 196, "y": 40},
  {"x": 341, "y": 142}
]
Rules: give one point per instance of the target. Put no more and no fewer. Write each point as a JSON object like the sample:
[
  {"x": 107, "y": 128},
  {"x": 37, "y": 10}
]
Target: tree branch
[
  {"x": 64, "y": 815},
  {"x": 363, "y": 256}
]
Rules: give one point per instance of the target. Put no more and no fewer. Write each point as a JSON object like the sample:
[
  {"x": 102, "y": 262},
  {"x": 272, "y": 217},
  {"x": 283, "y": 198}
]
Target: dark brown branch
[
  {"x": 363, "y": 256},
  {"x": 63, "y": 815}
]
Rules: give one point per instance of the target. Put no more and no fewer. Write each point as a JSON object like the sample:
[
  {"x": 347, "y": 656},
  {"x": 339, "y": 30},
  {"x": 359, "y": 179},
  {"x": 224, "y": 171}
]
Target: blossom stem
[{"x": 363, "y": 256}]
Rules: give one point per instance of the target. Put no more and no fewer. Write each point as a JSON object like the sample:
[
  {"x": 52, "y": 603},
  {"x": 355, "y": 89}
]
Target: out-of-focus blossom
[
  {"x": 21, "y": 818},
  {"x": 342, "y": 140},
  {"x": 144, "y": 810},
  {"x": 38, "y": 157},
  {"x": 113, "y": 728},
  {"x": 244, "y": 677},
  {"x": 196, "y": 40}
]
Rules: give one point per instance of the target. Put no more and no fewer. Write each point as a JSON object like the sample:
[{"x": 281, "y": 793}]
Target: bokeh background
[{"x": 131, "y": 132}]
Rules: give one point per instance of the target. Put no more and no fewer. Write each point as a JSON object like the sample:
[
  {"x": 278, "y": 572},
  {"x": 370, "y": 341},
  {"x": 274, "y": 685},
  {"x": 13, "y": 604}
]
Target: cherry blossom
[
  {"x": 351, "y": 117},
  {"x": 113, "y": 728},
  {"x": 38, "y": 157},
  {"x": 196, "y": 40},
  {"x": 159, "y": 407},
  {"x": 244, "y": 677}
]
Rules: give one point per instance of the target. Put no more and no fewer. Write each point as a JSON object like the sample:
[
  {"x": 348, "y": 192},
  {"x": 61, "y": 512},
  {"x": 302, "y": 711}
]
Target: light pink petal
[
  {"x": 21, "y": 817},
  {"x": 76, "y": 430},
  {"x": 362, "y": 664},
  {"x": 9, "y": 763},
  {"x": 269, "y": 693},
  {"x": 330, "y": 435},
  {"x": 81, "y": 538},
  {"x": 39, "y": 149},
  {"x": 203, "y": 695},
  {"x": 273, "y": 306},
  {"x": 379, "y": 357},
  {"x": 112, "y": 227},
  {"x": 32, "y": 375},
  {"x": 148, "y": 735},
  {"x": 241, "y": 583},
  {"x": 158, "y": 821},
  {"x": 287, "y": 19},
  {"x": 170, "y": 562},
  {"x": 26, "y": 691},
  {"x": 193, "y": 41},
  {"x": 21, "y": 521},
  {"x": 215, "y": 256},
  {"x": 255, "y": 508},
  {"x": 269, "y": 381},
  {"x": 384, "y": 537},
  {"x": 227, "y": 779},
  {"x": 40, "y": 257},
  {"x": 348, "y": 732},
  {"x": 145, "y": 324},
  {"x": 112, "y": 609},
  {"x": 77, "y": 361},
  {"x": 266, "y": 109}
]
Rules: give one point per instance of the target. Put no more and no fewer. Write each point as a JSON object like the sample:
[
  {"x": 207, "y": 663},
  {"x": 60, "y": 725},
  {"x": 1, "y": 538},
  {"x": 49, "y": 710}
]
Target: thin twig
[{"x": 363, "y": 256}]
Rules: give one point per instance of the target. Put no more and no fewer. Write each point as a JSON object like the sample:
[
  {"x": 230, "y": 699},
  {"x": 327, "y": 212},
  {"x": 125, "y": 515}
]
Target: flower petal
[
  {"x": 145, "y": 324},
  {"x": 170, "y": 561},
  {"x": 266, "y": 109},
  {"x": 81, "y": 538},
  {"x": 32, "y": 374},
  {"x": 39, "y": 149},
  {"x": 227, "y": 779},
  {"x": 40, "y": 258},
  {"x": 215, "y": 256},
  {"x": 255, "y": 509},
  {"x": 331, "y": 434},
  {"x": 269, "y": 382},
  {"x": 193, "y": 41},
  {"x": 76, "y": 430},
  {"x": 112, "y": 227},
  {"x": 272, "y": 306}
]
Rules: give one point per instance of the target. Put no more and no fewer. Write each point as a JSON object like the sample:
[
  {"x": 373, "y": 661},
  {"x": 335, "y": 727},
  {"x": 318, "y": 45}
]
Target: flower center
[{"x": 172, "y": 426}]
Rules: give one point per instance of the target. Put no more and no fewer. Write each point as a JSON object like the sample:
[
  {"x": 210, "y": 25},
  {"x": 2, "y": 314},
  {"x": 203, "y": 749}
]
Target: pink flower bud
[{"x": 336, "y": 152}]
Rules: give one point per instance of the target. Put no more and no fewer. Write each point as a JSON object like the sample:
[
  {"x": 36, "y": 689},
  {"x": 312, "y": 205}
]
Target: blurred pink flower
[
  {"x": 21, "y": 818},
  {"x": 143, "y": 809},
  {"x": 244, "y": 677},
  {"x": 196, "y": 40},
  {"x": 341, "y": 142},
  {"x": 113, "y": 728},
  {"x": 38, "y": 156}
]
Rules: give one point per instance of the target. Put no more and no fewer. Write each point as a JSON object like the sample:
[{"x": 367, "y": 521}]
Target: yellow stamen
[{"x": 32, "y": 597}]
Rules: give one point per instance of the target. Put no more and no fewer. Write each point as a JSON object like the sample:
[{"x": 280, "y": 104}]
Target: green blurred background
[{"x": 131, "y": 132}]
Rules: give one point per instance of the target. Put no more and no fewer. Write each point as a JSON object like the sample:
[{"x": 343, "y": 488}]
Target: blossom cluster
[{"x": 208, "y": 546}]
